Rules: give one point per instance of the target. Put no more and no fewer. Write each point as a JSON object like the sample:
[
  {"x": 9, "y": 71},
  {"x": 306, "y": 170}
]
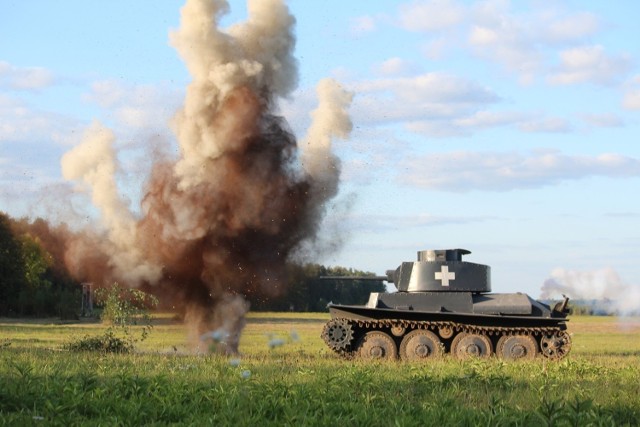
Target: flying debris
[{"x": 217, "y": 223}]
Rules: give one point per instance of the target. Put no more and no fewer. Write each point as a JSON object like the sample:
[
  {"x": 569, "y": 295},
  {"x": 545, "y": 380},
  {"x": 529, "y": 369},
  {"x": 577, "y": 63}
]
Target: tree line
[
  {"x": 311, "y": 289},
  {"x": 33, "y": 282}
]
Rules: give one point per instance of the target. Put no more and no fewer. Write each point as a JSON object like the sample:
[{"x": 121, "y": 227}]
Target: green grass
[{"x": 302, "y": 383}]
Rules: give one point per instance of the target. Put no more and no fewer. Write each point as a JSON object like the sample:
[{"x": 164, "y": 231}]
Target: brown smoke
[{"x": 220, "y": 222}]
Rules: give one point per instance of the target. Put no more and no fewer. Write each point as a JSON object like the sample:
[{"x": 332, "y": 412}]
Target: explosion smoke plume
[{"x": 222, "y": 219}]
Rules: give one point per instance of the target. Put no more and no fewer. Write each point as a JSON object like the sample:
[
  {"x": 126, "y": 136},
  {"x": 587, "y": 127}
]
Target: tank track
[{"x": 358, "y": 328}]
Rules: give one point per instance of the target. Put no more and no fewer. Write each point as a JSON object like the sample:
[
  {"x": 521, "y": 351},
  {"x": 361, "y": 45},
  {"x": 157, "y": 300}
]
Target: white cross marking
[{"x": 445, "y": 276}]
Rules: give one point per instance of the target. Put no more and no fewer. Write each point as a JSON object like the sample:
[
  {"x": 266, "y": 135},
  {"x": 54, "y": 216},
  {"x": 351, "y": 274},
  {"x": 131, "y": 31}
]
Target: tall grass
[{"x": 299, "y": 382}]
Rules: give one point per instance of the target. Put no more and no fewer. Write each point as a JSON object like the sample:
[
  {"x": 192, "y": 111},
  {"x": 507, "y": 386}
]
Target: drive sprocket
[{"x": 338, "y": 334}]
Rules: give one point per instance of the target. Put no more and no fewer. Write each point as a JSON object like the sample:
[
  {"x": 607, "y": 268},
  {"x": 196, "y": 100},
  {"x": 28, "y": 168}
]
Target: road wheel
[
  {"x": 471, "y": 345},
  {"x": 517, "y": 347},
  {"x": 420, "y": 345},
  {"x": 377, "y": 345}
]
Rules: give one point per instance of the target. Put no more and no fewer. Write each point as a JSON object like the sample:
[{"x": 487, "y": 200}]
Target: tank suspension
[{"x": 346, "y": 336}]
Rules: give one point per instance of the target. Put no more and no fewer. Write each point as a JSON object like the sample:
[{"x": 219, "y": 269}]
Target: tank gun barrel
[{"x": 390, "y": 277}]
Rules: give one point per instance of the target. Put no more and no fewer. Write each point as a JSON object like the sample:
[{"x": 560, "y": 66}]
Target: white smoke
[
  {"x": 93, "y": 162},
  {"x": 256, "y": 54},
  {"x": 331, "y": 119},
  {"x": 600, "y": 285}
]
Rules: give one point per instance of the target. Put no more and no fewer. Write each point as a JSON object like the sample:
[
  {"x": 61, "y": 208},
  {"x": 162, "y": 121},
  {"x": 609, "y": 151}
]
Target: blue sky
[{"x": 506, "y": 128}]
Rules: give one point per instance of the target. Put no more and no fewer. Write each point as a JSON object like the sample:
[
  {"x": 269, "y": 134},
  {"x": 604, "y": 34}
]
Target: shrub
[
  {"x": 122, "y": 309},
  {"x": 105, "y": 343}
]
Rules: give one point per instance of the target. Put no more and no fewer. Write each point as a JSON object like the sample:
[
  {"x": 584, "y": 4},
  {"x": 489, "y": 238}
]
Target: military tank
[{"x": 445, "y": 305}]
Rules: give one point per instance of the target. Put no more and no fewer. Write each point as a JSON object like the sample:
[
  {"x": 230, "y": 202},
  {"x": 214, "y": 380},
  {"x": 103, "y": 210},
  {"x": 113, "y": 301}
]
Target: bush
[
  {"x": 122, "y": 308},
  {"x": 105, "y": 343}
]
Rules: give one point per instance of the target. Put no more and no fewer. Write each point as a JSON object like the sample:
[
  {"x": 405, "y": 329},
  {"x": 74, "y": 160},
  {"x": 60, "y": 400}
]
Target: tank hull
[
  {"x": 410, "y": 334},
  {"x": 358, "y": 312}
]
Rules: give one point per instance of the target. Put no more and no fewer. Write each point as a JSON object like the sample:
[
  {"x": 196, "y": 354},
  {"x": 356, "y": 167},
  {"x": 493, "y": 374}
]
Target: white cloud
[
  {"x": 436, "y": 128},
  {"x": 514, "y": 40},
  {"x": 463, "y": 171},
  {"x": 24, "y": 78},
  {"x": 466, "y": 123},
  {"x": 436, "y": 48},
  {"x": 605, "y": 120},
  {"x": 19, "y": 122},
  {"x": 509, "y": 45},
  {"x": 442, "y": 105},
  {"x": 548, "y": 124},
  {"x": 486, "y": 119},
  {"x": 363, "y": 24},
  {"x": 432, "y": 15},
  {"x": 631, "y": 100},
  {"x": 431, "y": 88},
  {"x": 521, "y": 40},
  {"x": 601, "y": 285},
  {"x": 106, "y": 93},
  {"x": 394, "y": 67},
  {"x": 589, "y": 64},
  {"x": 430, "y": 103},
  {"x": 136, "y": 106},
  {"x": 482, "y": 36},
  {"x": 571, "y": 28},
  {"x": 631, "y": 97}
]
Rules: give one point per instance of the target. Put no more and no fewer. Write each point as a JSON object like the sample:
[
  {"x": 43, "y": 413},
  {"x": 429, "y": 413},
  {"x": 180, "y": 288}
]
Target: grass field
[{"x": 301, "y": 382}]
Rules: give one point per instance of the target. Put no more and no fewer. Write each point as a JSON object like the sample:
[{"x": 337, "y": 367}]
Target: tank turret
[
  {"x": 444, "y": 304},
  {"x": 442, "y": 271}
]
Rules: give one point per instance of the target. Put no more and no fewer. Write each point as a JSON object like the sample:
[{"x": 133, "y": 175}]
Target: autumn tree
[{"x": 12, "y": 268}]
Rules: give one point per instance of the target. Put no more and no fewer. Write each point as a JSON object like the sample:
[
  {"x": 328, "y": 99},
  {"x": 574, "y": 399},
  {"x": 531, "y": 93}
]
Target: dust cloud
[{"x": 219, "y": 222}]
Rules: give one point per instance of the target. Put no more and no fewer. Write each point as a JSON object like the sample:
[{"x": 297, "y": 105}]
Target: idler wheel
[
  {"x": 337, "y": 333},
  {"x": 377, "y": 345},
  {"x": 471, "y": 345},
  {"x": 517, "y": 347},
  {"x": 420, "y": 345},
  {"x": 556, "y": 345}
]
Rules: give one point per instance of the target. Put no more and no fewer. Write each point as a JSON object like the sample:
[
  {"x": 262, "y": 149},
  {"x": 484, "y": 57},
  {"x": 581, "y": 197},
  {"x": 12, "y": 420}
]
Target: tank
[{"x": 444, "y": 305}]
